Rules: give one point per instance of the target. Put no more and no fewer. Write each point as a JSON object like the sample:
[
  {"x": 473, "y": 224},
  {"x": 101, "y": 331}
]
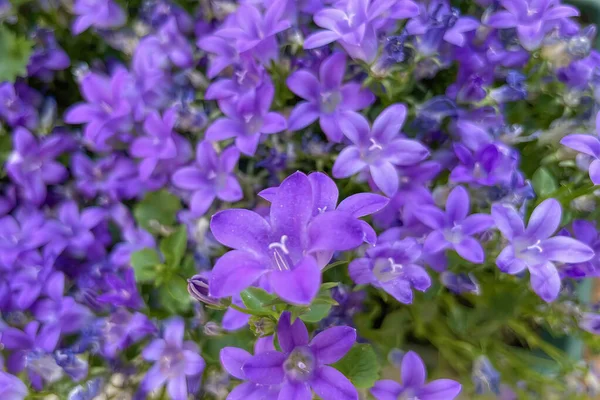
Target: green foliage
[
  {"x": 157, "y": 209},
  {"x": 144, "y": 263},
  {"x": 14, "y": 55},
  {"x": 173, "y": 246},
  {"x": 360, "y": 365},
  {"x": 543, "y": 182}
]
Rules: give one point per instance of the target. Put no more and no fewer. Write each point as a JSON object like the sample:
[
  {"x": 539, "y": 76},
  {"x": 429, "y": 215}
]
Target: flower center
[
  {"x": 409, "y": 394},
  {"x": 253, "y": 123},
  {"x": 330, "y": 101},
  {"x": 172, "y": 362},
  {"x": 300, "y": 364},
  {"x": 281, "y": 254},
  {"x": 454, "y": 234},
  {"x": 386, "y": 269}
]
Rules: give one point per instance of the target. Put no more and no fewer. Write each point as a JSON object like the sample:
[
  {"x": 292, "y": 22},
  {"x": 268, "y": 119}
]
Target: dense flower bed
[{"x": 284, "y": 199}]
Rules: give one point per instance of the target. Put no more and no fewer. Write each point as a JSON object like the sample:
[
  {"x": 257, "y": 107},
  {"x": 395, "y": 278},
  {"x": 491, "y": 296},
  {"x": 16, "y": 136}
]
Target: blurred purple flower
[
  {"x": 22, "y": 233},
  {"x": 122, "y": 329},
  {"x": 589, "y": 145},
  {"x": 15, "y": 106},
  {"x": 585, "y": 232},
  {"x": 47, "y": 56},
  {"x": 11, "y": 387},
  {"x": 101, "y": 14}
]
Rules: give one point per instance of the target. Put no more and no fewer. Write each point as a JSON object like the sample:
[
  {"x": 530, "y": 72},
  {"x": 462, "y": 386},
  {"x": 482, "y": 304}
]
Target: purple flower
[
  {"x": 327, "y": 99},
  {"x": 222, "y": 53},
  {"x": 247, "y": 119},
  {"x": 454, "y": 228},
  {"x": 122, "y": 329},
  {"x": 11, "y": 387},
  {"x": 284, "y": 249},
  {"x": 31, "y": 349},
  {"x": 585, "y": 232},
  {"x": 233, "y": 359},
  {"x": 21, "y": 234},
  {"x": 380, "y": 148},
  {"x": 212, "y": 177},
  {"x": 32, "y": 166},
  {"x": 107, "y": 112},
  {"x": 33, "y": 275},
  {"x": 532, "y": 19},
  {"x": 254, "y": 32},
  {"x": 101, "y": 14},
  {"x": 302, "y": 365},
  {"x": 176, "y": 363},
  {"x": 413, "y": 384},
  {"x": 392, "y": 267},
  {"x": 490, "y": 165},
  {"x": 590, "y": 322},
  {"x": 438, "y": 22},
  {"x": 589, "y": 145},
  {"x": 353, "y": 24},
  {"x": 47, "y": 57},
  {"x": 74, "y": 230},
  {"x": 15, "y": 108},
  {"x": 174, "y": 44},
  {"x": 160, "y": 146},
  {"x": 121, "y": 292},
  {"x": 460, "y": 283},
  {"x": 534, "y": 249}
]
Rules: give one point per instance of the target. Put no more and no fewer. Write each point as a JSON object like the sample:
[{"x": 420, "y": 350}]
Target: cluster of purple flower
[{"x": 196, "y": 119}]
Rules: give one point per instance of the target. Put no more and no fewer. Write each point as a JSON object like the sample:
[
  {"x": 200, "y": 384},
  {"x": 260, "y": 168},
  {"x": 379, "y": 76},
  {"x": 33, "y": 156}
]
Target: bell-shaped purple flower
[
  {"x": 454, "y": 228},
  {"x": 414, "y": 386},
  {"x": 589, "y": 145},
  {"x": 292, "y": 247},
  {"x": 303, "y": 365},
  {"x": 211, "y": 177},
  {"x": 534, "y": 249},
  {"x": 393, "y": 267},
  {"x": 327, "y": 98},
  {"x": 176, "y": 363},
  {"x": 380, "y": 148},
  {"x": 102, "y": 14}
]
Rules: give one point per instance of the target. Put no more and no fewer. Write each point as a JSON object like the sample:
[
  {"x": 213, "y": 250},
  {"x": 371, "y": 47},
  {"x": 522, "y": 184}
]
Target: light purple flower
[
  {"x": 392, "y": 267},
  {"x": 327, "y": 98},
  {"x": 284, "y": 248},
  {"x": 176, "y": 363},
  {"x": 589, "y": 145},
  {"x": 120, "y": 291},
  {"x": 379, "y": 148},
  {"x": 590, "y": 322},
  {"x": 233, "y": 359},
  {"x": 414, "y": 386},
  {"x": 302, "y": 365},
  {"x": 11, "y": 387},
  {"x": 534, "y": 249},
  {"x": 102, "y": 14},
  {"x": 490, "y": 165},
  {"x": 15, "y": 108},
  {"x": 47, "y": 56},
  {"x": 247, "y": 120},
  {"x": 22, "y": 233},
  {"x": 212, "y": 177},
  {"x": 222, "y": 53},
  {"x": 73, "y": 232},
  {"x": 122, "y": 329},
  {"x": 532, "y": 19},
  {"x": 585, "y": 232},
  {"x": 454, "y": 228},
  {"x": 174, "y": 44}
]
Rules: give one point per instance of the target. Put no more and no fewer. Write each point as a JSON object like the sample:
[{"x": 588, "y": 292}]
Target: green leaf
[
  {"x": 144, "y": 264},
  {"x": 256, "y": 298},
  {"x": 174, "y": 296},
  {"x": 329, "y": 285},
  {"x": 173, "y": 246},
  {"x": 316, "y": 313},
  {"x": 543, "y": 182},
  {"x": 360, "y": 365},
  {"x": 14, "y": 55},
  {"x": 157, "y": 208}
]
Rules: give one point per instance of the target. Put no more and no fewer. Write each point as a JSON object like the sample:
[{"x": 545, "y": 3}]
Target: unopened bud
[
  {"x": 198, "y": 289},
  {"x": 262, "y": 326}
]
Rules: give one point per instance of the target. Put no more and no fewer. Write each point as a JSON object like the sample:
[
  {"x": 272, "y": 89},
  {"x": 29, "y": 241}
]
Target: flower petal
[
  {"x": 291, "y": 335},
  {"x": 241, "y": 230},
  {"x": 545, "y": 281},
  {"x": 544, "y": 220},
  {"x": 300, "y": 285},
  {"x": 566, "y": 249},
  {"x": 265, "y": 368},
  {"x": 348, "y": 163},
  {"x": 477, "y": 223},
  {"x": 508, "y": 263},
  {"x": 386, "y": 390},
  {"x": 586, "y": 144},
  {"x": 332, "y": 344},
  {"x": 325, "y": 192},
  {"x": 470, "y": 249},
  {"x": 319, "y": 39},
  {"x": 332, "y": 70},
  {"x": 330, "y": 384},
  {"x": 458, "y": 204},
  {"x": 387, "y": 125},
  {"x": 304, "y": 114},
  {"x": 234, "y": 272},
  {"x": 362, "y": 204},
  {"x": 441, "y": 389},
  {"x": 413, "y": 371},
  {"x": 385, "y": 177},
  {"x": 292, "y": 390},
  {"x": 507, "y": 220},
  {"x": 232, "y": 359}
]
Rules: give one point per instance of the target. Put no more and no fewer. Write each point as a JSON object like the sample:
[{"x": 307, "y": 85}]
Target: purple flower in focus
[
  {"x": 302, "y": 365},
  {"x": 454, "y": 228},
  {"x": 247, "y": 120},
  {"x": 585, "y": 232},
  {"x": 32, "y": 166},
  {"x": 284, "y": 248},
  {"x": 354, "y": 23},
  {"x": 15, "y": 107},
  {"x": 327, "y": 99},
  {"x": 392, "y": 267},
  {"x": 212, "y": 177},
  {"x": 122, "y": 329},
  {"x": 11, "y": 387},
  {"x": 380, "y": 148},
  {"x": 233, "y": 359},
  {"x": 176, "y": 363},
  {"x": 532, "y": 19},
  {"x": 413, "y": 384},
  {"x": 534, "y": 249},
  {"x": 101, "y": 14},
  {"x": 589, "y": 145},
  {"x": 47, "y": 56}
]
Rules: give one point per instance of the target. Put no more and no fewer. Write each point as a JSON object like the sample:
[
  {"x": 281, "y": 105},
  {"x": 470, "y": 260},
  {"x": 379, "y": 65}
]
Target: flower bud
[
  {"x": 262, "y": 326},
  {"x": 198, "y": 289}
]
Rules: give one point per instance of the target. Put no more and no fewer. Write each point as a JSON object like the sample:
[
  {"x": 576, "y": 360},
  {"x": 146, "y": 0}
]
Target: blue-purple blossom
[
  {"x": 327, "y": 98},
  {"x": 102, "y": 14},
  {"x": 414, "y": 386},
  {"x": 11, "y": 387},
  {"x": 302, "y": 366},
  {"x": 47, "y": 57},
  {"x": 380, "y": 148},
  {"x": 533, "y": 248},
  {"x": 589, "y": 145},
  {"x": 18, "y": 105},
  {"x": 122, "y": 329},
  {"x": 585, "y": 232}
]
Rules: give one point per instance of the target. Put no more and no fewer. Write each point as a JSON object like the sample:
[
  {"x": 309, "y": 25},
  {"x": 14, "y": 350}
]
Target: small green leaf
[
  {"x": 543, "y": 182},
  {"x": 297, "y": 311},
  {"x": 316, "y": 312},
  {"x": 256, "y": 298},
  {"x": 14, "y": 55},
  {"x": 144, "y": 264},
  {"x": 157, "y": 208},
  {"x": 173, "y": 246},
  {"x": 329, "y": 285},
  {"x": 174, "y": 296},
  {"x": 333, "y": 265},
  {"x": 360, "y": 365}
]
